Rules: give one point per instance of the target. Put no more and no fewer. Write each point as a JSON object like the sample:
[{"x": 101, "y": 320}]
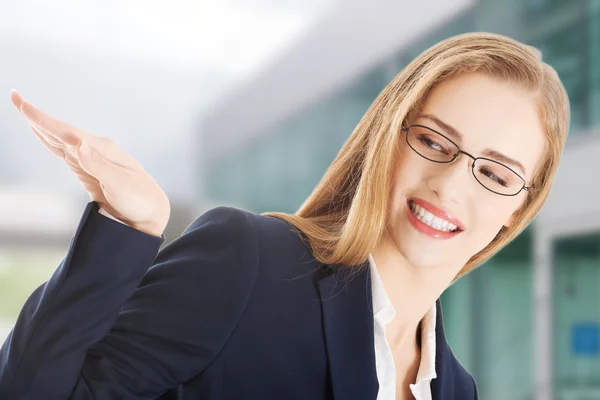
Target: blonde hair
[{"x": 345, "y": 216}]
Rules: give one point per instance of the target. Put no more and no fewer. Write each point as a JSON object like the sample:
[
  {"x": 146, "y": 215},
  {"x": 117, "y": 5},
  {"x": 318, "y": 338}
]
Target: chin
[
  {"x": 417, "y": 253},
  {"x": 421, "y": 259}
]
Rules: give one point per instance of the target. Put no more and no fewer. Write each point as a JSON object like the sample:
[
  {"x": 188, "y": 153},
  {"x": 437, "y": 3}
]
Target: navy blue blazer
[{"x": 235, "y": 308}]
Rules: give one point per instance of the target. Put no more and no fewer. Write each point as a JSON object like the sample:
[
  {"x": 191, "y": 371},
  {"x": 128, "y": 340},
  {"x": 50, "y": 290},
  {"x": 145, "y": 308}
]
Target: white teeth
[{"x": 429, "y": 219}]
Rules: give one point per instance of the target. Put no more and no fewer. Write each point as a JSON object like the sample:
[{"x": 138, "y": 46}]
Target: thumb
[
  {"x": 97, "y": 166},
  {"x": 108, "y": 150},
  {"x": 87, "y": 157}
]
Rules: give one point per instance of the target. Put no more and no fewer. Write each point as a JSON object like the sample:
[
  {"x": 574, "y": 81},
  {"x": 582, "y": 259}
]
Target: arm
[{"x": 95, "y": 331}]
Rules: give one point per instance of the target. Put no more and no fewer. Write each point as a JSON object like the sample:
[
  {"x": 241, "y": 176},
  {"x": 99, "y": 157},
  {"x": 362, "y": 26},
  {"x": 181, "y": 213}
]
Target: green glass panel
[{"x": 576, "y": 300}]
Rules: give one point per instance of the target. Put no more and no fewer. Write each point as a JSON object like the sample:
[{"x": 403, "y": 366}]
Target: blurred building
[{"x": 526, "y": 324}]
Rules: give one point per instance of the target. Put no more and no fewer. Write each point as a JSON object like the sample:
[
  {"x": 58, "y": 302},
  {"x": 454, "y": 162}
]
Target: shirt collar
[
  {"x": 384, "y": 310},
  {"x": 428, "y": 344},
  {"x": 382, "y": 305}
]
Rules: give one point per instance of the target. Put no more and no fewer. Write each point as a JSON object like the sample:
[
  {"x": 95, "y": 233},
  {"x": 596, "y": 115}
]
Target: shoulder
[
  {"x": 231, "y": 221},
  {"x": 253, "y": 237},
  {"x": 269, "y": 233},
  {"x": 281, "y": 251},
  {"x": 216, "y": 254},
  {"x": 242, "y": 226},
  {"x": 225, "y": 231}
]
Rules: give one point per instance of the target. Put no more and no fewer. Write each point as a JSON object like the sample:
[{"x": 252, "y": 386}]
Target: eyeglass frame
[{"x": 455, "y": 156}]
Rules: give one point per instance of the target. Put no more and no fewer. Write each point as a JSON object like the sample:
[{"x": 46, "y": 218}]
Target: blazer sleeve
[{"x": 118, "y": 320}]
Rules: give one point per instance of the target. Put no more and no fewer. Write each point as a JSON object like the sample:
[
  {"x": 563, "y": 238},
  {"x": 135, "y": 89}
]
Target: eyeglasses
[{"x": 492, "y": 175}]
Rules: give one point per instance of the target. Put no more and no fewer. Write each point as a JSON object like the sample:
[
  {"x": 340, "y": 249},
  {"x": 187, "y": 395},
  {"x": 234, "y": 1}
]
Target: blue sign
[{"x": 585, "y": 339}]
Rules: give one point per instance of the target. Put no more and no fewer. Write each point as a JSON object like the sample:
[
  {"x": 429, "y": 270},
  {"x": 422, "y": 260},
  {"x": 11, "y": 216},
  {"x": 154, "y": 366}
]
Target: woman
[{"x": 340, "y": 300}]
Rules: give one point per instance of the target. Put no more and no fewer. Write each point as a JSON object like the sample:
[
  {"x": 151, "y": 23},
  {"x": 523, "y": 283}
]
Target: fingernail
[{"x": 85, "y": 149}]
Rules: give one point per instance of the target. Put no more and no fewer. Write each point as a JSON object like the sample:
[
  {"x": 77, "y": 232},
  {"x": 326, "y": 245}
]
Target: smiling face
[{"x": 488, "y": 118}]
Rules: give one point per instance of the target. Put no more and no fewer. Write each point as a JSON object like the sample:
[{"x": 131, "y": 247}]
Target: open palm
[{"x": 110, "y": 176}]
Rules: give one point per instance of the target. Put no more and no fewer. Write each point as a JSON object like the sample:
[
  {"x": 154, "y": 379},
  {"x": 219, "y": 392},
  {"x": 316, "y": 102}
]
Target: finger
[
  {"x": 58, "y": 152},
  {"x": 90, "y": 161},
  {"x": 105, "y": 147},
  {"x": 48, "y": 138},
  {"x": 63, "y": 131},
  {"x": 73, "y": 136},
  {"x": 108, "y": 149},
  {"x": 67, "y": 153},
  {"x": 60, "y": 133},
  {"x": 70, "y": 150},
  {"x": 106, "y": 172},
  {"x": 16, "y": 99}
]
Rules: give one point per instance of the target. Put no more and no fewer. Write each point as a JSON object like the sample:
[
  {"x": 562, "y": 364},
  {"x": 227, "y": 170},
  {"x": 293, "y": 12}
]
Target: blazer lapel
[
  {"x": 442, "y": 387},
  {"x": 346, "y": 302}
]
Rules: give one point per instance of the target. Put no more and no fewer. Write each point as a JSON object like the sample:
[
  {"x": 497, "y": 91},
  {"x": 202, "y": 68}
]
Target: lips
[{"x": 438, "y": 212}]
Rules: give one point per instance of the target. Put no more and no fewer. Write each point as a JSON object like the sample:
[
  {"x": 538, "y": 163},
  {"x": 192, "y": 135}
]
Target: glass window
[
  {"x": 576, "y": 319},
  {"x": 565, "y": 51}
]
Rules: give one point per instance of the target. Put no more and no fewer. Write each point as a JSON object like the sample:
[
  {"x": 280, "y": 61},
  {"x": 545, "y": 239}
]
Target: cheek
[
  {"x": 496, "y": 211},
  {"x": 405, "y": 179},
  {"x": 488, "y": 219},
  {"x": 408, "y": 170}
]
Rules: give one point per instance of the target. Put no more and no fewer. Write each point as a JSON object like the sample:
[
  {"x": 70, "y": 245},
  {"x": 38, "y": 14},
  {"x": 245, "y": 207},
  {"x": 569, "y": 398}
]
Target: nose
[{"x": 451, "y": 181}]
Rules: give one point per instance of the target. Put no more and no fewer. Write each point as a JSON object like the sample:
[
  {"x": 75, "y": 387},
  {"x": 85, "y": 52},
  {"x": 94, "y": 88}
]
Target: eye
[
  {"x": 427, "y": 141},
  {"x": 493, "y": 177}
]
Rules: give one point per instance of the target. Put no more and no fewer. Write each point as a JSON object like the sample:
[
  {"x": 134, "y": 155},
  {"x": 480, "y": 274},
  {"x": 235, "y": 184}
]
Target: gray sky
[{"x": 140, "y": 72}]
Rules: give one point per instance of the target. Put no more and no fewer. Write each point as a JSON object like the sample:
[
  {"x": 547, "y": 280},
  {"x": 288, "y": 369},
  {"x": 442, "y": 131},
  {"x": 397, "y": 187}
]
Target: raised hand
[{"x": 111, "y": 177}]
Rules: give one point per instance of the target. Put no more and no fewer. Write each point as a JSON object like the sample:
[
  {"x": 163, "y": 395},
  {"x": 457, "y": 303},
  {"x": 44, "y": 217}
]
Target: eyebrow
[{"x": 451, "y": 131}]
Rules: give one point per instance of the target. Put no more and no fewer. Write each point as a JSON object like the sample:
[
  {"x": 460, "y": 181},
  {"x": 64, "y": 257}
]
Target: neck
[{"x": 412, "y": 291}]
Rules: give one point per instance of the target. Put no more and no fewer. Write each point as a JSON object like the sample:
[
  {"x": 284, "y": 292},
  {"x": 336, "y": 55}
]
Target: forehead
[{"x": 490, "y": 114}]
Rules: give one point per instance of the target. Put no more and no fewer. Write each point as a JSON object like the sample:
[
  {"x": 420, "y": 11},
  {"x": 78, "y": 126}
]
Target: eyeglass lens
[{"x": 492, "y": 175}]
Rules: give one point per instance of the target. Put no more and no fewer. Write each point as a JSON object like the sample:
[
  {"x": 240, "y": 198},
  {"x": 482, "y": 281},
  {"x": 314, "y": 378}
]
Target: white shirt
[
  {"x": 383, "y": 313},
  {"x": 106, "y": 214}
]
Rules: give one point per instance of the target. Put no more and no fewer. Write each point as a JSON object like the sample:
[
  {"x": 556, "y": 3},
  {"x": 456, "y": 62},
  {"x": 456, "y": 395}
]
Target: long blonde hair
[{"x": 345, "y": 216}]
